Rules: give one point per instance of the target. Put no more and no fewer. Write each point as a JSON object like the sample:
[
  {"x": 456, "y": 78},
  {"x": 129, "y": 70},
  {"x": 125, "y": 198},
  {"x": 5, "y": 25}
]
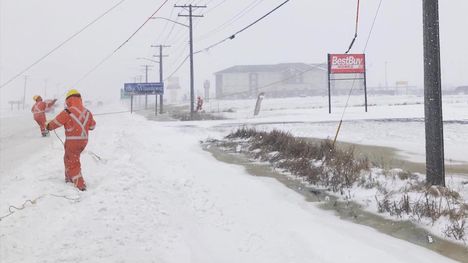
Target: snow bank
[{"x": 156, "y": 196}]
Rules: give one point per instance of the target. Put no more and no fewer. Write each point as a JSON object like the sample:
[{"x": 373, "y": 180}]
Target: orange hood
[{"x": 74, "y": 101}]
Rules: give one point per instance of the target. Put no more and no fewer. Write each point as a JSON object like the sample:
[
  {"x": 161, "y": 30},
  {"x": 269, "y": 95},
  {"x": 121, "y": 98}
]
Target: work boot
[
  {"x": 81, "y": 185},
  {"x": 79, "y": 182}
]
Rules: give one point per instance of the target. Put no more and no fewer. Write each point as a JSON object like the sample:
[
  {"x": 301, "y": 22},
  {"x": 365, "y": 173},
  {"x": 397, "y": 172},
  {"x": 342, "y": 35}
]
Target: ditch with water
[{"x": 349, "y": 211}]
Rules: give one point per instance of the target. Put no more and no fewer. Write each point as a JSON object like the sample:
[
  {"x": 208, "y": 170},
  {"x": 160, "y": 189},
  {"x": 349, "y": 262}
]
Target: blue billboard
[{"x": 144, "y": 88}]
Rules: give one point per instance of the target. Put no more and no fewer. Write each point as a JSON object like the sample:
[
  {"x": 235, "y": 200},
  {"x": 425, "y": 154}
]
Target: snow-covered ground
[
  {"x": 156, "y": 196},
  {"x": 391, "y": 121}
]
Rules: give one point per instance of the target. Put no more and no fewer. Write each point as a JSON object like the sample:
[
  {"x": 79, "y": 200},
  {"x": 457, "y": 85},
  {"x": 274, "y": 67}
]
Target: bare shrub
[
  {"x": 393, "y": 207},
  {"x": 456, "y": 229},
  {"x": 435, "y": 202},
  {"x": 339, "y": 168},
  {"x": 242, "y": 133},
  {"x": 405, "y": 175}
]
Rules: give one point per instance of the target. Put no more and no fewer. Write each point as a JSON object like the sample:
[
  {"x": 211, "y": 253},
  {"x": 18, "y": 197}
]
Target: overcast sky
[{"x": 301, "y": 31}]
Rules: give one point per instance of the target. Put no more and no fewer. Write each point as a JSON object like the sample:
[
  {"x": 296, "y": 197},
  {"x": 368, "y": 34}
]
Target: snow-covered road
[{"x": 158, "y": 197}]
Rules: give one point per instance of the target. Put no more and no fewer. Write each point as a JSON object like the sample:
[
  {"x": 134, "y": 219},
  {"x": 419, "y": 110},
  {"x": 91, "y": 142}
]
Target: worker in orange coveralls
[
  {"x": 39, "y": 110},
  {"x": 77, "y": 121},
  {"x": 199, "y": 104}
]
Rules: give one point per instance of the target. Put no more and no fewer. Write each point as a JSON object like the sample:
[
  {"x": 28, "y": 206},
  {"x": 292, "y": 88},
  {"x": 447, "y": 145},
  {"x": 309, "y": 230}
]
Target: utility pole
[
  {"x": 435, "y": 166},
  {"x": 146, "y": 81},
  {"x": 146, "y": 67},
  {"x": 24, "y": 91},
  {"x": 161, "y": 77},
  {"x": 190, "y": 8}
]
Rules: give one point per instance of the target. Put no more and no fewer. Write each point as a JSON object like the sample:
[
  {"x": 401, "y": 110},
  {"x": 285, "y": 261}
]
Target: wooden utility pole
[
  {"x": 435, "y": 166},
  {"x": 146, "y": 81},
  {"x": 190, "y": 8},
  {"x": 161, "y": 76}
]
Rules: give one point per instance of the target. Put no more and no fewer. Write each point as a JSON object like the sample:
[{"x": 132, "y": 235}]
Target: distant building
[
  {"x": 461, "y": 90},
  {"x": 172, "y": 90},
  {"x": 280, "y": 80}
]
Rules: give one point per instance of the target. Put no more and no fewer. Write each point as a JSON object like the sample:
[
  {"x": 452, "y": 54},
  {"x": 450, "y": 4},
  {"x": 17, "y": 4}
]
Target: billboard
[
  {"x": 144, "y": 88},
  {"x": 347, "y": 63}
]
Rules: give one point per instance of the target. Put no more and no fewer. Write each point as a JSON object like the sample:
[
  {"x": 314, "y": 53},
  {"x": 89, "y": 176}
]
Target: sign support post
[
  {"x": 329, "y": 92},
  {"x": 365, "y": 84},
  {"x": 346, "y": 64},
  {"x": 146, "y": 89}
]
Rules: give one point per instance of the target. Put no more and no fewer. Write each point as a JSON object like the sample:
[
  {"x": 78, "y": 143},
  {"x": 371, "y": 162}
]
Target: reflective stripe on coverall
[
  {"x": 77, "y": 122},
  {"x": 38, "y": 111}
]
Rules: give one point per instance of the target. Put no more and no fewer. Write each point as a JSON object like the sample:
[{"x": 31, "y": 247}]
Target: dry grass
[
  {"x": 433, "y": 203},
  {"x": 338, "y": 168}
]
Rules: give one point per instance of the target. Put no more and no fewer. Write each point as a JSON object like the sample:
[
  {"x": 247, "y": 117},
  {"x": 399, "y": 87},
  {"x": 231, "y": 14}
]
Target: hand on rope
[{"x": 94, "y": 155}]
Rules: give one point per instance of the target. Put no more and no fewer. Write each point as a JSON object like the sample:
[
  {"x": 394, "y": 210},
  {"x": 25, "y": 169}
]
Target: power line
[
  {"x": 61, "y": 44},
  {"x": 190, "y": 8},
  {"x": 163, "y": 31},
  {"x": 180, "y": 55},
  {"x": 214, "y": 7},
  {"x": 228, "y": 38},
  {"x": 233, "y": 19},
  {"x": 147, "y": 20},
  {"x": 119, "y": 47},
  {"x": 178, "y": 67},
  {"x": 295, "y": 75},
  {"x": 243, "y": 29},
  {"x": 372, "y": 27},
  {"x": 179, "y": 37},
  {"x": 354, "y": 80},
  {"x": 86, "y": 75},
  {"x": 356, "y": 29},
  {"x": 181, "y": 46}
]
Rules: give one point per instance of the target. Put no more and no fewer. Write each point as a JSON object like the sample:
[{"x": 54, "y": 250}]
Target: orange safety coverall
[
  {"x": 199, "y": 104},
  {"x": 38, "y": 111},
  {"x": 77, "y": 121}
]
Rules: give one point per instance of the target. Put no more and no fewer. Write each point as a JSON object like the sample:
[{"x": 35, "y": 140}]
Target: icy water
[
  {"x": 387, "y": 157},
  {"x": 380, "y": 156},
  {"x": 345, "y": 210}
]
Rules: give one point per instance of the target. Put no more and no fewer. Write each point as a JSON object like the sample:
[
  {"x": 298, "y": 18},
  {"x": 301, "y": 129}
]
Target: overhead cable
[
  {"x": 372, "y": 27},
  {"x": 228, "y": 38},
  {"x": 243, "y": 29},
  {"x": 239, "y": 15},
  {"x": 144, "y": 23},
  {"x": 356, "y": 29},
  {"x": 352, "y": 86},
  {"x": 215, "y": 7},
  {"x": 119, "y": 47},
  {"x": 61, "y": 44}
]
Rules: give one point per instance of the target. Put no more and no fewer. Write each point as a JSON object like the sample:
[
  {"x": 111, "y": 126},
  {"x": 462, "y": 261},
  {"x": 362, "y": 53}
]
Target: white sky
[{"x": 301, "y": 31}]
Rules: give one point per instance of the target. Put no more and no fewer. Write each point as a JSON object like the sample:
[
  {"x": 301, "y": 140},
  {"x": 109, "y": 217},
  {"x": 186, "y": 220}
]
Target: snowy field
[
  {"x": 391, "y": 121},
  {"x": 156, "y": 196}
]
